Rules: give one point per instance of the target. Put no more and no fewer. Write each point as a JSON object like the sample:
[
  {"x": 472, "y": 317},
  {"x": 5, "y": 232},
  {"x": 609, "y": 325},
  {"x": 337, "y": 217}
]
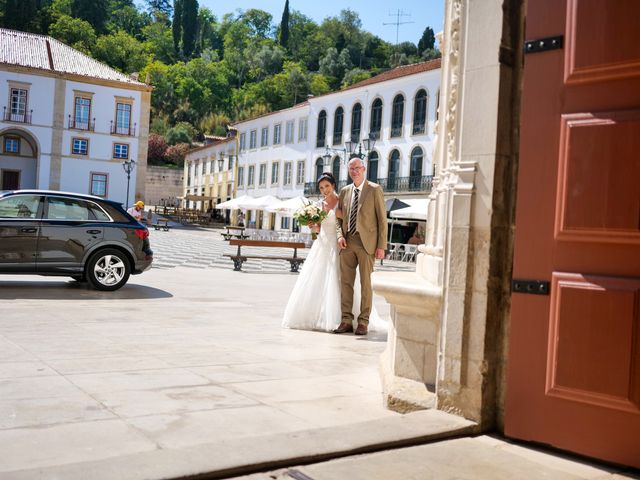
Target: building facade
[
  {"x": 284, "y": 152},
  {"x": 69, "y": 122},
  {"x": 209, "y": 173}
]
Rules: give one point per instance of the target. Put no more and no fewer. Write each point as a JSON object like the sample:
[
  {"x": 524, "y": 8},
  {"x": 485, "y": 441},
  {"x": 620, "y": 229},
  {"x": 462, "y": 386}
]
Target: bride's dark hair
[{"x": 328, "y": 176}]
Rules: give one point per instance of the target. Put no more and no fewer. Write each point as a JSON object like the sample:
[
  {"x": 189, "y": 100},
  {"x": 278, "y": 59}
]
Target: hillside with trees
[{"x": 208, "y": 71}]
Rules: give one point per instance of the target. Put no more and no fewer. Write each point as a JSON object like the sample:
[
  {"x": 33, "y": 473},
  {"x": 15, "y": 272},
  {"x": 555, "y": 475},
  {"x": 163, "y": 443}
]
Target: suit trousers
[{"x": 352, "y": 257}]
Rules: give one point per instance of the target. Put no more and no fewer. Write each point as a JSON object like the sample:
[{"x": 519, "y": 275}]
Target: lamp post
[
  {"x": 358, "y": 149},
  {"x": 128, "y": 166}
]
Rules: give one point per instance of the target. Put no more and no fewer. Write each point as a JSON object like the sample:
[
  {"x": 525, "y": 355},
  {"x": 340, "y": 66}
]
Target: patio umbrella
[
  {"x": 417, "y": 210},
  {"x": 289, "y": 206},
  {"x": 233, "y": 203},
  {"x": 260, "y": 203},
  {"x": 394, "y": 204}
]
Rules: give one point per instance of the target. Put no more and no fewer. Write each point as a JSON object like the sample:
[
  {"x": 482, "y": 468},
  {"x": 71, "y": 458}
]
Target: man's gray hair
[{"x": 356, "y": 158}]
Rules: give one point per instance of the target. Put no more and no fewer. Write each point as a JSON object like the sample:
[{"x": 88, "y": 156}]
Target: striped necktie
[{"x": 353, "y": 215}]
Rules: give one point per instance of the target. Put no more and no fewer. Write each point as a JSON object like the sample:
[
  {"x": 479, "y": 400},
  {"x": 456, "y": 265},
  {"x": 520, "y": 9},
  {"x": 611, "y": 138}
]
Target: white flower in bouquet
[{"x": 310, "y": 214}]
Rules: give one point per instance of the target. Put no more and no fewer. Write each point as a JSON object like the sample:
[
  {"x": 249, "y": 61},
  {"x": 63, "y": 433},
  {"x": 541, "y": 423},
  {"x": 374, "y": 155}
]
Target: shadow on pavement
[{"x": 72, "y": 290}]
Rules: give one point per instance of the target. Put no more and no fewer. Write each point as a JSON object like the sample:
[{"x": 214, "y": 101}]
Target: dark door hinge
[
  {"x": 535, "y": 287},
  {"x": 543, "y": 44}
]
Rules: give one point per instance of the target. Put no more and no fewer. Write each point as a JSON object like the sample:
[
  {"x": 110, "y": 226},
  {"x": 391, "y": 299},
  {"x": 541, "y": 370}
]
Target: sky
[{"x": 373, "y": 13}]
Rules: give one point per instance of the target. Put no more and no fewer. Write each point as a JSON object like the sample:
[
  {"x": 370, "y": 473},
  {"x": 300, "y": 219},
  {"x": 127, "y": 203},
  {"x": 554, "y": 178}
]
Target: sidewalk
[
  {"x": 185, "y": 371},
  {"x": 479, "y": 458}
]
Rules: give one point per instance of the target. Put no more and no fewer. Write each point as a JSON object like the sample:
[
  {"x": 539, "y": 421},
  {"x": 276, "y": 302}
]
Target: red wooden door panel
[{"x": 574, "y": 360}]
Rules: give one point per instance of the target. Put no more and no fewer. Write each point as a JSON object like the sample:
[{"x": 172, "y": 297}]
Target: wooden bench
[
  {"x": 239, "y": 258},
  {"x": 162, "y": 225}
]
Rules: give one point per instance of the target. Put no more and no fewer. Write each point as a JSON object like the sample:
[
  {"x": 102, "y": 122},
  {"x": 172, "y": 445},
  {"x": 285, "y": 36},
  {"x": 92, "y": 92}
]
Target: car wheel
[{"x": 108, "y": 269}]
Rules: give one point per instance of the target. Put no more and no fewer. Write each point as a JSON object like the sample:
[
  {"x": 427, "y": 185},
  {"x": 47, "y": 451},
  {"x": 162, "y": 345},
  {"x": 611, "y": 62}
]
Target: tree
[
  {"x": 19, "y": 14},
  {"x": 354, "y": 76},
  {"x": 268, "y": 60},
  {"x": 75, "y": 32},
  {"x": 176, "y": 153},
  {"x": 335, "y": 65},
  {"x": 176, "y": 26},
  {"x": 259, "y": 22},
  {"x": 284, "y": 26},
  {"x": 208, "y": 37},
  {"x": 157, "y": 148},
  {"x": 319, "y": 84},
  {"x": 179, "y": 134},
  {"x": 163, "y": 6},
  {"x": 189, "y": 26},
  {"x": 121, "y": 51},
  {"x": 159, "y": 43},
  {"x": 95, "y": 12},
  {"x": 303, "y": 45},
  {"x": 130, "y": 20},
  {"x": 427, "y": 41}
]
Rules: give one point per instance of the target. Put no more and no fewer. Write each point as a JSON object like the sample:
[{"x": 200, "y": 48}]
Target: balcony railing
[
  {"x": 122, "y": 130},
  {"x": 418, "y": 128},
  {"x": 420, "y": 184},
  {"x": 396, "y": 131},
  {"x": 8, "y": 116},
  {"x": 81, "y": 124}
]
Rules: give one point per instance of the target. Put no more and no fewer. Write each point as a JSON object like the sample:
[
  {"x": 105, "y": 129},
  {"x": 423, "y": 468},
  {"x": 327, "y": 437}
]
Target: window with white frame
[
  {"x": 264, "y": 140},
  {"x": 300, "y": 173},
  {"x": 302, "y": 129},
  {"x": 277, "y": 129},
  {"x": 79, "y": 146},
  {"x": 262, "y": 177},
  {"x": 243, "y": 141},
  {"x": 240, "y": 176},
  {"x": 82, "y": 113},
  {"x": 253, "y": 139},
  {"x": 288, "y": 167},
  {"x": 121, "y": 151},
  {"x": 275, "y": 173},
  {"x": 18, "y": 105},
  {"x": 11, "y": 144},
  {"x": 99, "y": 184},
  {"x": 290, "y": 131},
  {"x": 123, "y": 119},
  {"x": 251, "y": 175},
  {"x": 285, "y": 223}
]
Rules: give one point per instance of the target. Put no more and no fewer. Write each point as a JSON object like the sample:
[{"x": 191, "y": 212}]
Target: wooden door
[
  {"x": 574, "y": 360},
  {"x": 10, "y": 179}
]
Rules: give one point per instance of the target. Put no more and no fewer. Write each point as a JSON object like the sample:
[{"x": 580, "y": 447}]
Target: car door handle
[
  {"x": 28, "y": 230},
  {"x": 94, "y": 232}
]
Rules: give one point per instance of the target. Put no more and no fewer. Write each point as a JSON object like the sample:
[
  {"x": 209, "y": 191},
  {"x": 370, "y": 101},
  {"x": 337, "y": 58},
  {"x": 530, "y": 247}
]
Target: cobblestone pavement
[{"x": 196, "y": 248}]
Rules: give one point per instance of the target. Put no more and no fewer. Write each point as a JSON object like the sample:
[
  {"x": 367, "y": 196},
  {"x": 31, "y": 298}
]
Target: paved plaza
[{"x": 186, "y": 371}]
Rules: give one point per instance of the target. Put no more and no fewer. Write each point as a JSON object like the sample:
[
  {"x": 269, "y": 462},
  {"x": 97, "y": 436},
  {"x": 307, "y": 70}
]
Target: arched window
[
  {"x": 356, "y": 122},
  {"x": 336, "y": 168},
  {"x": 338, "y": 123},
  {"x": 376, "y": 118},
  {"x": 321, "y": 136},
  {"x": 397, "y": 114},
  {"x": 394, "y": 170},
  {"x": 420, "y": 112},
  {"x": 319, "y": 168},
  {"x": 437, "y": 104},
  {"x": 415, "y": 169},
  {"x": 372, "y": 167}
]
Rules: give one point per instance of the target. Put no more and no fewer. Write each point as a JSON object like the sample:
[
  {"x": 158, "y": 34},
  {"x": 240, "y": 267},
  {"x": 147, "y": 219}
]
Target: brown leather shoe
[
  {"x": 344, "y": 328},
  {"x": 362, "y": 329}
]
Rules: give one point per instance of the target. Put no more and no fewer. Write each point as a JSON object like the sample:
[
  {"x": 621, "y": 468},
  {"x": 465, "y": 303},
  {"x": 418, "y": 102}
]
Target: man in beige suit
[{"x": 362, "y": 236}]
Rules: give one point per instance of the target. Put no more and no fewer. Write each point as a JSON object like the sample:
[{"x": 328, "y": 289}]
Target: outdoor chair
[{"x": 410, "y": 252}]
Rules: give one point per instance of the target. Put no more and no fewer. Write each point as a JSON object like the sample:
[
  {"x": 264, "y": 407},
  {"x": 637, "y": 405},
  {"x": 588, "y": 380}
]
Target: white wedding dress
[{"x": 314, "y": 303}]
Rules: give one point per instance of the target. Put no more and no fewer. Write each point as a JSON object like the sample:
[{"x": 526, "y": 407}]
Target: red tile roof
[{"x": 398, "y": 72}]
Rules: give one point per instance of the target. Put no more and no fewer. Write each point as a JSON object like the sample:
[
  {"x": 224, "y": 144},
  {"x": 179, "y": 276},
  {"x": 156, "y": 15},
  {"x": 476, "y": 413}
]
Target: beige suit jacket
[{"x": 372, "y": 216}]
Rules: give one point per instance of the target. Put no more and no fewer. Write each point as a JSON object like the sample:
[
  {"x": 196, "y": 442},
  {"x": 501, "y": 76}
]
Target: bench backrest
[{"x": 266, "y": 243}]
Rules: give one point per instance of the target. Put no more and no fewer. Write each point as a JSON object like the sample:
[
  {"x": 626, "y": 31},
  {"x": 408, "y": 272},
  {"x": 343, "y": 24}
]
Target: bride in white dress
[{"x": 314, "y": 303}]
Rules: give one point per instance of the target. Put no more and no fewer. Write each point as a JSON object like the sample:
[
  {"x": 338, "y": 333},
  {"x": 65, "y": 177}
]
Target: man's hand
[
  {"x": 379, "y": 254},
  {"x": 342, "y": 243}
]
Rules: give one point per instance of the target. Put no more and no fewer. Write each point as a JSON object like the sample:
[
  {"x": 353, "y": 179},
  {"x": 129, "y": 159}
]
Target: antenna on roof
[{"x": 399, "y": 14}]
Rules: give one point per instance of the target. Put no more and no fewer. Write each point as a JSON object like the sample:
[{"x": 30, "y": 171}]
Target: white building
[
  {"x": 69, "y": 122},
  {"x": 283, "y": 153}
]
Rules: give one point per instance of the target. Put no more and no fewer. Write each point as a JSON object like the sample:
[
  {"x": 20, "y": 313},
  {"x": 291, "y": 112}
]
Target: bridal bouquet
[{"x": 310, "y": 214}]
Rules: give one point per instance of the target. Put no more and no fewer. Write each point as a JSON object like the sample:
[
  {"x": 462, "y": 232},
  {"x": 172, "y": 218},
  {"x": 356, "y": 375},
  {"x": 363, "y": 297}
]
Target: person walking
[{"x": 137, "y": 210}]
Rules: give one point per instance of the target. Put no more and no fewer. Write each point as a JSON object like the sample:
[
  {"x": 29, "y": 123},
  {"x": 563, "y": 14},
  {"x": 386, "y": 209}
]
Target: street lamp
[
  {"x": 353, "y": 149},
  {"x": 128, "y": 166}
]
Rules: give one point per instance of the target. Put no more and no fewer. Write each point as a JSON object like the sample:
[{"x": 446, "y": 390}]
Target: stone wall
[{"x": 163, "y": 183}]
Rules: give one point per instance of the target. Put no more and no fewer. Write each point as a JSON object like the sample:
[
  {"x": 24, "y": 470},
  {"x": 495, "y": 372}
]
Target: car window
[
  {"x": 19, "y": 206},
  {"x": 98, "y": 213},
  {"x": 69, "y": 209}
]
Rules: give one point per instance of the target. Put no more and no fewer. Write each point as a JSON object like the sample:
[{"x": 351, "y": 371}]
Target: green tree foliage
[
  {"x": 181, "y": 133},
  {"x": 162, "y": 6},
  {"x": 121, "y": 51},
  {"x": 427, "y": 41},
  {"x": 189, "y": 26},
  {"x": 335, "y": 64},
  {"x": 208, "y": 38},
  {"x": 159, "y": 42},
  {"x": 354, "y": 76},
  {"x": 176, "y": 25},
  {"x": 284, "y": 26},
  {"x": 20, "y": 14},
  {"x": 259, "y": 23},
  {"x": 75, "y": 32},
  {"x": 319, "y": 84},
  {"x": 128, "y": 19},
  {"x": 95, "y": 12}
]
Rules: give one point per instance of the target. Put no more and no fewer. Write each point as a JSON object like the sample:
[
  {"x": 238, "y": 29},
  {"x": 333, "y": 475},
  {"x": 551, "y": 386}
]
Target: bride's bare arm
[{"x": 338, "y": 212}]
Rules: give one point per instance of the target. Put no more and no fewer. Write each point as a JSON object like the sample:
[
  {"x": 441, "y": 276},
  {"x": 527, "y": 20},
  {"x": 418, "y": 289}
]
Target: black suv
[{"x": 68, "y": 234}]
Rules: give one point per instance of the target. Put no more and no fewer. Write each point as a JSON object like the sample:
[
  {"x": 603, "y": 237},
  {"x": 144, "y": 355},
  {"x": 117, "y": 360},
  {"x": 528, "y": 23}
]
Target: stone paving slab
[{"x": 479, "y": 458}]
